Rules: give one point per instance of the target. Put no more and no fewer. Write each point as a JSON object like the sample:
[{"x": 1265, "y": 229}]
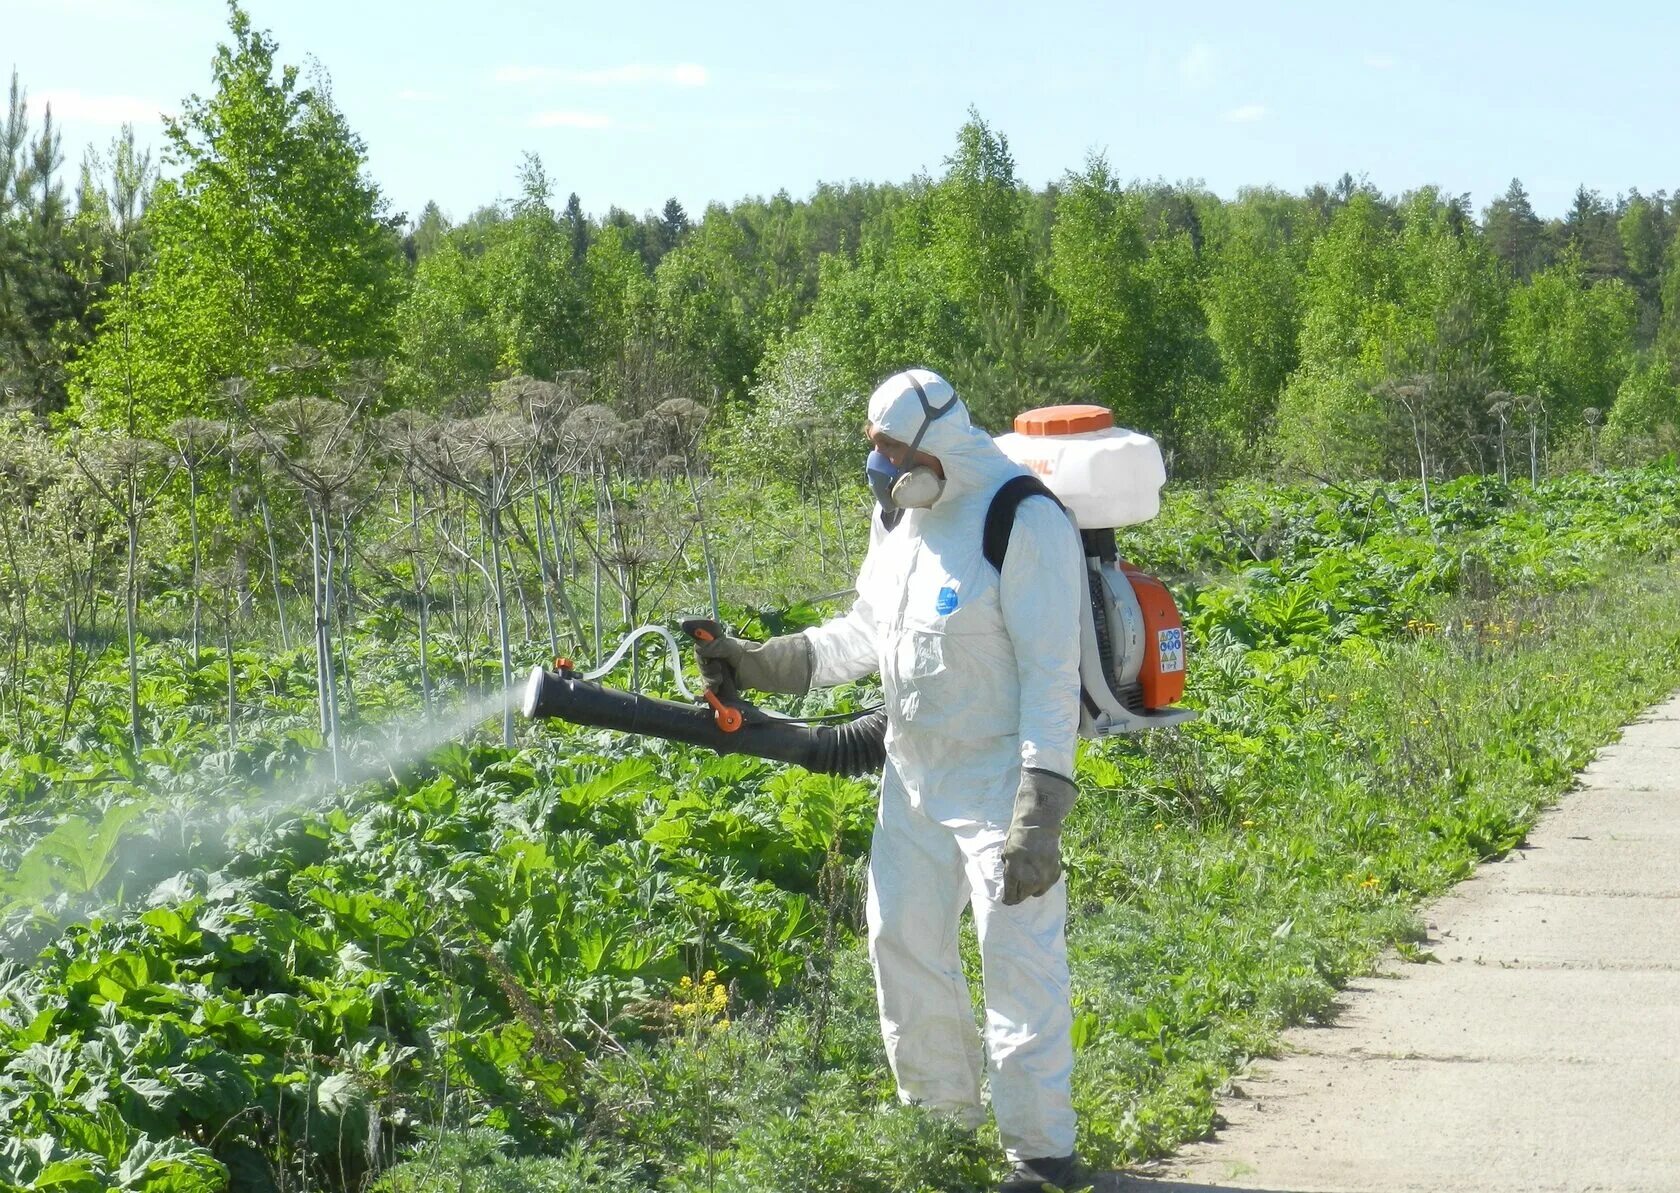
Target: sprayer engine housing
[
  {"x": 1132, "y": 649},
  {"x": 1132, "y": 645}
]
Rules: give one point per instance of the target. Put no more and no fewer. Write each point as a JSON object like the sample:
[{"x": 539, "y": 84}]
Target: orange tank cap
[{"x": 1063, "y": 420}]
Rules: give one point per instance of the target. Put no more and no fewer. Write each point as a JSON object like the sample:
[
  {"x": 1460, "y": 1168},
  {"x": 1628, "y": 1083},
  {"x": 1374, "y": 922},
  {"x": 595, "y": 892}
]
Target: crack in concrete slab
[{"x": 1566, "y": 893}]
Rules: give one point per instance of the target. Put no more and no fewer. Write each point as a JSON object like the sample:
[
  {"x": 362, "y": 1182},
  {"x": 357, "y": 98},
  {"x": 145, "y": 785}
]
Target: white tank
[{"x": 1106, "y": 475}]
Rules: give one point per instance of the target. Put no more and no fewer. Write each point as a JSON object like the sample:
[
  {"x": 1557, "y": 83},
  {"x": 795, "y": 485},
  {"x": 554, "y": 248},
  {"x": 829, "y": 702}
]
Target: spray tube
[{"x": 855, "y": 748}]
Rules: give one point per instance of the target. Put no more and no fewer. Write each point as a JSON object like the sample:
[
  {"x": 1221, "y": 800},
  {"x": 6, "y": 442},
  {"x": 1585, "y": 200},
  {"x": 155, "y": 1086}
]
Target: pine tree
[
  {"x": 1514, "y": 232},
  {"x": 663, "y": 233},
  {"x": 37, "y": 294},
  {"x": 578, "y": 225},
  {"x": 674, "y": 222},
  {"x": 429, "y": 232},
  {"x": 1591, "y": 231}
]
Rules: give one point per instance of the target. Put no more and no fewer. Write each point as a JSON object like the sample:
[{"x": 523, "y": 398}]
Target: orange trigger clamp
[{"x": 728, "y": 719}]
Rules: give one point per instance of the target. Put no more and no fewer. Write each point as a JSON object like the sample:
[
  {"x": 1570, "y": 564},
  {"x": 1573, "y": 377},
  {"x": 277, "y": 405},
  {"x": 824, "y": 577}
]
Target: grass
[
  {"x": 1226, "y": 881},
  {"x": 476, "y": 964}
]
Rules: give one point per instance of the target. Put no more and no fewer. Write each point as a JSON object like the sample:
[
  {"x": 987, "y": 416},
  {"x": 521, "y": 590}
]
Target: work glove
[
  {"x": 1032, "y": 852},
  {"x": 782, "y": 664}
]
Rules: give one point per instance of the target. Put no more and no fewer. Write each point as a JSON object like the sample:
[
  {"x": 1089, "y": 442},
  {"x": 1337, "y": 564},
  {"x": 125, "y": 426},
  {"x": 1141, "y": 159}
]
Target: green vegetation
[
  {"x": 288, "y": 900},
  {"x": 637, "y": 966}
]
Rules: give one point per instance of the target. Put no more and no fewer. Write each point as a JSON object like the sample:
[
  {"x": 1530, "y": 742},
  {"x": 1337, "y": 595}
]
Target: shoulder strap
[{"x": 1000, "y": 515}]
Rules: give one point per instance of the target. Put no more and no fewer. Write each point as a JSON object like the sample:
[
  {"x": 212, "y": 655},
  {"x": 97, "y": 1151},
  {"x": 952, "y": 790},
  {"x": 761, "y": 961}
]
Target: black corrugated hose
[{"x": 855, "y": 748}]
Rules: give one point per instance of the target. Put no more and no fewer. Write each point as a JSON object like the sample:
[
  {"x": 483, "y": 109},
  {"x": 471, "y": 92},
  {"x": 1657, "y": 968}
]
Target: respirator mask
[{"x": 917, "y": 486}]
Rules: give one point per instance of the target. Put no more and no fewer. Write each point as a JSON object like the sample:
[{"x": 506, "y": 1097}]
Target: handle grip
[{"x": 723, "y": 689}]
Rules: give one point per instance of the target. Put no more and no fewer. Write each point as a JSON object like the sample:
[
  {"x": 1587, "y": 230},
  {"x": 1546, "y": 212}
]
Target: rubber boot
[{"x": 1045, "y": 1174}]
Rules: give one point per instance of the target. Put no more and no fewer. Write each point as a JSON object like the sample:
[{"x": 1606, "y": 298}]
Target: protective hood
[{"x": 970, "y": 459}]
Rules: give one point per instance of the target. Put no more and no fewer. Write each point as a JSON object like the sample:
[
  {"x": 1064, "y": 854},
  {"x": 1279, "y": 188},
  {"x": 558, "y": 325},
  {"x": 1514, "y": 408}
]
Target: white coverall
[{"x": 981, "y": 677}]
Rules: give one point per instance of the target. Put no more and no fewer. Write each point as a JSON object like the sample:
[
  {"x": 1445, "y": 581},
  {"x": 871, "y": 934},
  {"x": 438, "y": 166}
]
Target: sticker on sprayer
[
  {"x": 946, "y": 602},
  {"x": 1172, "y": 650}
]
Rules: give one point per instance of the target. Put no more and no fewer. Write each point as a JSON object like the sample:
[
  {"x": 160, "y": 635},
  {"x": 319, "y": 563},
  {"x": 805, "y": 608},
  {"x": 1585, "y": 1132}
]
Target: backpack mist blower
[{"x": 1132, "y": 647}]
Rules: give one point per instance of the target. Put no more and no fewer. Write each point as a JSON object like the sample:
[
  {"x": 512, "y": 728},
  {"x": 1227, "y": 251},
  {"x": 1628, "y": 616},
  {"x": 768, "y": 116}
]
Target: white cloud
[
  {"x": 1379, "y": 61},
  {"x": 569, "y": 120},
  {"x": 1247, "y": 114},
  {"x": 70, "y": 104},
  {"x": 634, "y": 74},
  {"x": 1197, "y": 66}
]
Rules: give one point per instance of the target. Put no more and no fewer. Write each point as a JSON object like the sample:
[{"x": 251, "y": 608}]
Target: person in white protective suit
[{"x": 980, "y": 671}]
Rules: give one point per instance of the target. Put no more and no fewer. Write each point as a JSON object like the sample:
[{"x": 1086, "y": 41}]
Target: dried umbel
[
  {"x": 28, "y": 459},
  {"x": 499, "y": 433},
  {"x": 305, "y": 418},
  {"x": 631, "y": 553},
  {"x": 593, "y": 428},
  {"x": 407, "y": 434},
  {"x": 326, "y": 468},
  {"x": 673, "y": 426},
  {"x": 119, "y": 456},
  {"x": 544, "y": 404},
  {"x": 236, "y": 393},
  {"x": 1406, "y": 394},
  {"x": 197, "y": 439},
  {"x": 491, "y": 444},
  {"x": 359, "y": 384},
  {"x": 296, "y": 359},
  {"x": 222, "y": 577},
  {"x": 224, "y": 581},
  {"x": 251, "y": 450},
  {"x": 683, "y": 415}
]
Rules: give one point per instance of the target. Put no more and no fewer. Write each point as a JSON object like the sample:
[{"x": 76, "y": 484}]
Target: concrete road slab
[
  {"x": 1603, "y": 864},
  {"x": 1540, "y": 1052},
  {"x": 1656, "y": 735},
  {"x": 1341, "y": 1125},
  {"x": 1470, "y": 1013},
  {"x": 1669, "y": 711},
  {"x": 1635, "y": 768},
  {"x": 1490, "y": 926},
  {"x": 1599, "y": 813}
]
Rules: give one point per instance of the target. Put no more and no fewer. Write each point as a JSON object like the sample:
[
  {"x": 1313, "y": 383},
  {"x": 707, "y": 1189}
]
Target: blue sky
[{"x": 630, "y": 104}]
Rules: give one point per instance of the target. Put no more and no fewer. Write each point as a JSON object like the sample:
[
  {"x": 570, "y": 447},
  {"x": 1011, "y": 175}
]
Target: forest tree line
[{"x": 1340, "y": 328}]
